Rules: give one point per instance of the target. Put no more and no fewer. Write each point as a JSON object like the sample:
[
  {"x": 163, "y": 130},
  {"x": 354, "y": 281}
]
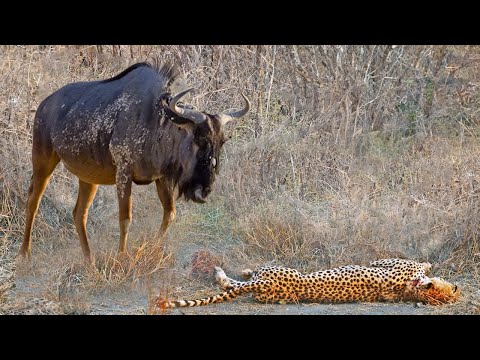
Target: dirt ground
[
  {"x": 28, "y": 281},
  {"x": 133, "y": 299}
]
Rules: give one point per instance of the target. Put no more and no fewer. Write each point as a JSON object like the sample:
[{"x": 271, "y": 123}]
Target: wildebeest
[{"x": 126, "y": 129}]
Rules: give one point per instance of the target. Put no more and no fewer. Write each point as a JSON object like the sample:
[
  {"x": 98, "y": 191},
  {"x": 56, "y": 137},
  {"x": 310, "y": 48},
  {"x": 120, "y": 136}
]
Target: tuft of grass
[
  {"x": 7, "y": 267},
  {"x": 113, "y": 270},
  {"x": 271, "y": 235}
]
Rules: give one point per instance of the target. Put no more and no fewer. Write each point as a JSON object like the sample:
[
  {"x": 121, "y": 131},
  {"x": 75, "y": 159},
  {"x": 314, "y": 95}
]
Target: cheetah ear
[{"x": 427, "y": 266}]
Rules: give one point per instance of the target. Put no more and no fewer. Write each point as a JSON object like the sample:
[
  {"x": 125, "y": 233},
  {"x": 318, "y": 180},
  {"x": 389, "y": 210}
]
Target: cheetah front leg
[{"x": 224, "y": 281}]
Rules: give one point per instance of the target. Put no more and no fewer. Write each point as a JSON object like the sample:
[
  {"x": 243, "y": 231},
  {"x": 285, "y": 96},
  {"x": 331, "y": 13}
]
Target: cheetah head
[{"x": 436, "y": 291}]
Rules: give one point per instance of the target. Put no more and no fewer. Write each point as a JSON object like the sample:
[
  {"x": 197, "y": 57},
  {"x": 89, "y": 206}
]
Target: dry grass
[
  {"x": 7, "y": 267},
  {"x": 112, "y": 270},
  {"x": 350, "y": 153}
]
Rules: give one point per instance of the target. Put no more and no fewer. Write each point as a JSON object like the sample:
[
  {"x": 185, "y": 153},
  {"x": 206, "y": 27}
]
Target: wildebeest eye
[{"x": 214, "y": 161}]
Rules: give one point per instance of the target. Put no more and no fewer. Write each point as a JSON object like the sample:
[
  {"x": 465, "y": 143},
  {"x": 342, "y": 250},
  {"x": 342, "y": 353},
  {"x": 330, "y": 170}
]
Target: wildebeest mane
[{"x": 168, "y": 71}]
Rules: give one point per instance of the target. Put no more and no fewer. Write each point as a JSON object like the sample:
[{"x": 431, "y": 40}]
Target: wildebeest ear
[
  {"x": 164, "y": 100},
  {"x": 192, "y": 115},
  {"x": 179, "y": 120},
  {"x": 163, "y": 104}
]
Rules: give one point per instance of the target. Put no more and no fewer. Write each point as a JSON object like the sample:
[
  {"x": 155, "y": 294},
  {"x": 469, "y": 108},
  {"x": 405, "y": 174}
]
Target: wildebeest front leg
[
  {"x": 86, "y": 194},
  {"x": 124, "y": 193},
  {"x": 166, "y": 193}
]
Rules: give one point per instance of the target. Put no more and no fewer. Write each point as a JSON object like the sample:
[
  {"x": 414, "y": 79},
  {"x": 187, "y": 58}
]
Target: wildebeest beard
[
  {"x": 203, "y": 175},
  {"x": 198, "y": 181}
]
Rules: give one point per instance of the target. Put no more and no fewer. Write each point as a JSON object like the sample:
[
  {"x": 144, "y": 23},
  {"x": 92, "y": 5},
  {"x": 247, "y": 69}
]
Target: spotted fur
[{"x": 384, "y": 280}]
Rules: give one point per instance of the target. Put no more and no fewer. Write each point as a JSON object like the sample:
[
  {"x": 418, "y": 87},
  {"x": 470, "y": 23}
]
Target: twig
[{"x": 271, "y": 81}]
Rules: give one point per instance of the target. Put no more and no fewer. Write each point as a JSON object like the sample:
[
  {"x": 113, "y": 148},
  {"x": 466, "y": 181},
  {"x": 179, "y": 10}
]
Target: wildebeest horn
[
  {"x": 195, "y": 116},
  {"x": 226, "y": 117}
]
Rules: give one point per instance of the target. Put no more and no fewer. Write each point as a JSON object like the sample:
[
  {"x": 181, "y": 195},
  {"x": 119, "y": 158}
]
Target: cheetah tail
[{"x": 230, "y": 294}]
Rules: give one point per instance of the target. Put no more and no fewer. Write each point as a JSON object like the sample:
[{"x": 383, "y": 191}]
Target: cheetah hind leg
[{"x": 247, "y": 273}]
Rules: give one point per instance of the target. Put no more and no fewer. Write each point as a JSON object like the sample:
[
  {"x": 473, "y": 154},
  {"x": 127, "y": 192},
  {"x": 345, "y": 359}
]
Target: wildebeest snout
[{"x": 200, "y": 194}]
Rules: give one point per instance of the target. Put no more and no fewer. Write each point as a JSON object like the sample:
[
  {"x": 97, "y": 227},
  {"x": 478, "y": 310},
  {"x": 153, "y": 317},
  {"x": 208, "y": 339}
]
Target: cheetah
[{"x": 390, "y": 280}]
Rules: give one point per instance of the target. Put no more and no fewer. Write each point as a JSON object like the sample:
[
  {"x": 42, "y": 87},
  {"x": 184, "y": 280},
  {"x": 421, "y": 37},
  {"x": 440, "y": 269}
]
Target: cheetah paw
[{"x": 222, "y": 278}]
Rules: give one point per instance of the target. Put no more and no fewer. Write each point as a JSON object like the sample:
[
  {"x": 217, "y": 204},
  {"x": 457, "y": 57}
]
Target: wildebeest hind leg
[
  {"x": 86, "y": 194},
  {"x": 166, "y": 193},
  {"x": 43, "y": 167}
]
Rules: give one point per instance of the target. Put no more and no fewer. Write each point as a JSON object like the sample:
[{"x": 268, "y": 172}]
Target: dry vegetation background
[{"x": 349, "y": 154}]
